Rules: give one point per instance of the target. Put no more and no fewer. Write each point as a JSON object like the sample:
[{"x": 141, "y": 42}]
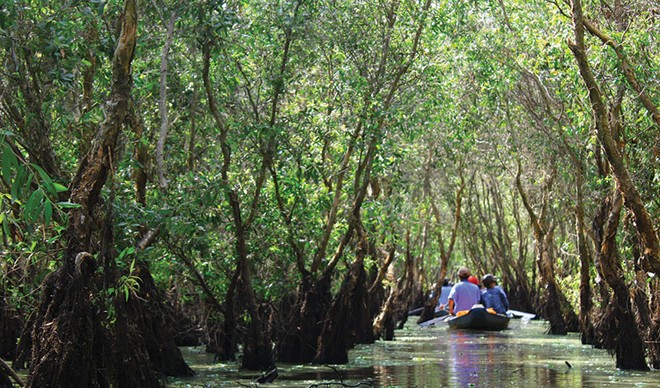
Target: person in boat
[
  {"x": 443, "y": 300},
  {"x": 493, "y": 296},
  {"x": 463, "y": 295}
]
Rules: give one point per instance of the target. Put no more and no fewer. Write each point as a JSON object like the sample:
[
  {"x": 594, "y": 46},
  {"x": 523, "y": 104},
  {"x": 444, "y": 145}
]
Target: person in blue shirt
[
  {"x": 443, "y": 300},
  {"x": 493, "y": 296},
  {"x": 463, "y": 295}
]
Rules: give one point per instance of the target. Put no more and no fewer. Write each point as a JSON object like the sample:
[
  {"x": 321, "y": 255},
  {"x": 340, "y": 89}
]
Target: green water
[{"x": 438, "y": 357}]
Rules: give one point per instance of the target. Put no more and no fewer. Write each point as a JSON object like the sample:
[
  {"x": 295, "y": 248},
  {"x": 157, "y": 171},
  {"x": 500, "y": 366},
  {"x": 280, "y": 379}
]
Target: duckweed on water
[{"x": 438, "y": 357}]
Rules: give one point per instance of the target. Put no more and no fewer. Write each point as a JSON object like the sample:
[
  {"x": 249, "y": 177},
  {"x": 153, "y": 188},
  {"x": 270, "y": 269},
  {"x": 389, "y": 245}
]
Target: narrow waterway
[{"x": 435, "y": 356}]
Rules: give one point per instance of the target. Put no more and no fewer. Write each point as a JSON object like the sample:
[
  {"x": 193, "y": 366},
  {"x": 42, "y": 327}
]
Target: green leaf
[
  {"x": 9, "y": 162},
  {"x": 33, "y": 205},
  {"x": 48, "y": 212},
  {"x": 67, "y": 205},
  {"x": 60, "y": 188},
  {"x": 17, "y": 184},
  {"x": 126, "y": 252},
  {"x": 46, "y": 179}
]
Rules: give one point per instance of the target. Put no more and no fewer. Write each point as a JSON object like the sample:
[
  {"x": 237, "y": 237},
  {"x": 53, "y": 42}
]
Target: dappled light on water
[{"x": 439, "y": 357}]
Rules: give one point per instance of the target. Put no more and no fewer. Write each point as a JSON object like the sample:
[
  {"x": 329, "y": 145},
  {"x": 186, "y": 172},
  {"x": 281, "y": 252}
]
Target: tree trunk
[
  {"x": 73, "y": 343},
  {"x": 586, "y": 261},
  {"x": 338, "y": 347},
  {"x": 257, "y": 352},
  {"x": 374, "y": 297},
  {"x": 338, "y": 332},
  {"x": 156, "y": 326},
  {"x": 621, "y": 333},
  {"x": 389, "y": 312},
  {"x": 141, "y": 157},
  {"x": 649, "y": 330},
  {"x": 224, "y": 337},
  {"x": 549, "y": 301},
  {"x": 397, "y": 304},
  {"x": 385, "y": 322},
  {"x": 339, "y": 328},
  {"x": 367, "y": 306},
  {"x": 548, "y": 105},
  {"x": 523, "y": 294},
  {"x": 257, "y": 349},
  {"x": 314, "y": 296},
  {"x": 299, "y": 345},
  {"x": 649, "y": 260},
  {"x": 70, "y": 345},
  {"x": 429, "y": 306},
  {"x": 412, "y": 294},
  {"x": 162, "y": 104},
  {"x": 10, "y": 330}
]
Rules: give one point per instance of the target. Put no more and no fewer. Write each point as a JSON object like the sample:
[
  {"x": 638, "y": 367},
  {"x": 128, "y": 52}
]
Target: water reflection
[
  {"x": 438, "y": 357},
  {"x": 466, "y": 354}
]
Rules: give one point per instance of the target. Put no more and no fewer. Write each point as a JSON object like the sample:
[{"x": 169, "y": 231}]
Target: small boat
[
  {"x": 437, "y": 313},
  {"x": 417, "y": 311},
  {"x": 520, "y": 314},
  {"x": 478, "y": 318},
  {"x": 434, "y": 321}
]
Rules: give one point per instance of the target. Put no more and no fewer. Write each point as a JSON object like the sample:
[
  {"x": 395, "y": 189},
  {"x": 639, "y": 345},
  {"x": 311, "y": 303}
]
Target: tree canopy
[{"x": 273, "y": 165}]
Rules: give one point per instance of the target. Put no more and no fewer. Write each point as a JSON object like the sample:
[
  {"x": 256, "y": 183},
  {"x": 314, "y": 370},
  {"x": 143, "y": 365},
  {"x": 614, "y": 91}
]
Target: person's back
[
  {"x": 463, "y": 294},
  {"x": 494, "y": 296},
  {"x": 444, "y": 295}
]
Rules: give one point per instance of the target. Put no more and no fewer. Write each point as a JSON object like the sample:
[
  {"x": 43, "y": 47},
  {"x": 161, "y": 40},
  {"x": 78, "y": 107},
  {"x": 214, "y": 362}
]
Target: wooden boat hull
[{"x": 479, "y": 319}]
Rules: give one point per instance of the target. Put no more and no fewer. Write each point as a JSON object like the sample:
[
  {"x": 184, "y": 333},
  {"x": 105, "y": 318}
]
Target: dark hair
[
  {"x": 488, "y": 279},
  {"x": 445, "y": 282}
]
